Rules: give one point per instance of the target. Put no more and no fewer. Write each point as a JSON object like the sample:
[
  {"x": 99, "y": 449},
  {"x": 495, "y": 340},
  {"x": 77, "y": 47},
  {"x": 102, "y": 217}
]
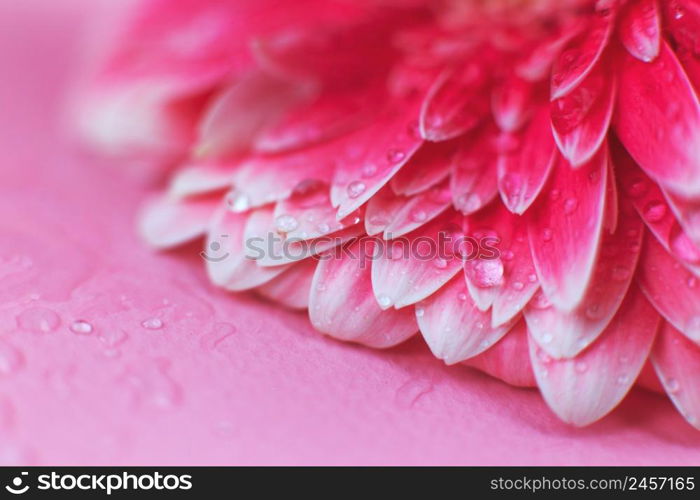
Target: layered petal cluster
[{"x": 340, "y": 136}]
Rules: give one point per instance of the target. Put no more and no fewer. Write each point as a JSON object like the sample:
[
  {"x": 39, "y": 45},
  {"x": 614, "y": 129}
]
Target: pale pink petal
[
  {"x": 419, "y": 209},
  {"x": 409, "y": 269},
  {"x": 565, "y": 228},
  {"x": 373, "y": 156},
  {"x": 292, "y": 287},
  {"x": 583, "y": 389},
  {"x": 381, "y": 210},
  {"x": 674, "y": 291},
  {"x": 523, "y": 172},
  {"x": 428, "y": 167},
  {"x": 240, "y": 111},
  {"x": 454, "y": 103},
  {"x": 197, "y": 179},
  {"x": 508, "y": 359},
  {"x": 453, "y": 327},
  {"x": 576, "y": 62},
  {"x": 165, "y": 222},
  {"x": 565, "y": 334},
  {"x": 227, "y": 264},
  {"x": 640, "y": 29},
  {"x": 657, "y": 119},
  {"x": 343, "y": 305},
  {"x": 677, "y": 363},
  {"x": 581, "y": 118}
]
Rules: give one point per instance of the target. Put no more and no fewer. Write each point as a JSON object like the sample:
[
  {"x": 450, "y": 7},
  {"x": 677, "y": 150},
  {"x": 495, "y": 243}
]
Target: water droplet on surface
[
  {"x": 152, "y": 323},
  {"x": 570, "y": 206},
  {"x": 237, "y": 201},
  {"x": 673, "y": 386},
  {"x": 38, "y": 320},
  {"x": 462, "y": 296},
  {"x": 487, "y": 273},
  {"x": 286, "y": 223},
  {"x": 655, "y": 211},
  {"x": 420, "y": 312},
  {"x": 395, "y": 155},
  {"x": 518, "y": 285},
  {"x": 532, "y": 277},
  {"x": 81, "y": 327},
  {"x": 356, "y": 188},
  {"x": 369, "y": 170},
  {"x": 419, "y": 216},
  {"x": 440, "y": 263},
  {"x": 411, "y": 391},
  {"x": 547, "y": 338},
  {"x": 547, "y": 234},
  {"x": 384, "y": 300}
]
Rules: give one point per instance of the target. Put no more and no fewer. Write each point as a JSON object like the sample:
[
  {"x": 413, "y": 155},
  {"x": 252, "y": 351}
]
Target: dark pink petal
[
  {"x": 508, "y": 359},
  {"x": 677, "y": 363},
  {"x": 681, "y": 19},
  {"x": 453, "y": 327},
  {"x": 409, "y": 269},
  {"x": 511, "y": 102},
  {"x": 165, "y": 222},
  {"x": 658, "y": 121},
  {"x": 674, "y": 291},
  {"x": 575, "y": 62},
  {"x": 640, "y": 29},
  {"x": 581, "y": 390},
  {"x": 225, "y": 255},
  {"x": 381, "y": 210},
  {"x": 428, "y": 167},
  {"x": 197, "y": 179},
  {"x": 687, "y": 213},
  {"x": 523, "y": 172},
  {"x": 565, "y": 229},
  {"x": 581, "y": 118},
  {"x": 565, "y": 334},
  {"x": 373, "y": 156},
  {"x": 454, "y": 104},
  {"x": 292, "y": 287},
  {"x": 258, "y": 97},
  {"x": 473, "y": 180},
  {"x": 612, "y": 202},
  {"x": 343, "y": 305},
  {"x": 418, "y": 210},
  {"x": 308, "y": 213}
]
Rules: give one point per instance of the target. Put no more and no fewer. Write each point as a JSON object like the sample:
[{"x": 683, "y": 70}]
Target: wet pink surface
[{"x": 227, "y": 379}]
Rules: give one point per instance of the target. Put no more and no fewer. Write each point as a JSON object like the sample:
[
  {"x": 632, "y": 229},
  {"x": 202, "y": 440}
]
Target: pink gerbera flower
[{"x": 566, "y": 132}]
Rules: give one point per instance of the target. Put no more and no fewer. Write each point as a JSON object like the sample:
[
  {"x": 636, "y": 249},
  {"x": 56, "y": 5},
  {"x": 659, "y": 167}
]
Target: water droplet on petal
[
  {"x": 547, "y": 338},
  {"x": 440, "y": 263},
  {"x": 384, "y": 300},
  {"x": 237, "y": 201},
  {"x": 518, "y": 285},
  {"x": 547, "y": 234},
  {"x": 356, "y": 188},
  {"x": 673, "y": 386},
  {"x": 152, "y": 324},
  {"x": 38, "y": 320},
  {"x": 462, "y": 296},
  {"x": 487, "y": 273},
  {"x": 570, "y": 206},
  {"x": 395, "y": 155},
  {"x": 655, "y": 211},
  {"x": 419, "y": 216},
  {"x": 81, "y": 327},
  {"x": 369, "y": 170},
  {"x": 420, "y": 312},
  {"x": 286, "y": 223}
]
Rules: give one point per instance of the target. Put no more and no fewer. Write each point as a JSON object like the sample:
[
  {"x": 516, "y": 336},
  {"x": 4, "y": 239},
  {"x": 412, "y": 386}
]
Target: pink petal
[
  {"x": 677, "y": 363},
  {"x": 565, "y": 229},
  {"x": 226, "y": 260},
  {"x": 258, "y": 97},
  {"x": 565, "y": 334},
  {"x": 658, "y": 121},
  {"x": 343, "y": 305},
  {"x": 428, "y": 167},
  {"x": 583, "y": 389},
  {"x": 454, "y": 104},
  {"x": 523, "y": 172},
  {"x": 473, "y": 180},
  {"x": 511, "y": 103},
  {"x": 453, "y": 327},
  {"x": 581, "y": 118},
  {"x": 409, "y": 269},
  {"x": 418, "y": 210},
  {"x": 373, "y": 156},
  {"x": 640, "y": 29},
  {"x": 197, "y": 179},
  {"x": 308, "y": 213},
  {"x": 292, "y": 287},
  {"x": 508, "y": 359},
  {"x": 381, "y": 210},
  {"x": 166, "y": 222},
  {"x": 674, "y": 291},
  {"x": 681, "y": 19},
  {"x": 574, "y": 63},
  {"x": 687, "y": 213}
]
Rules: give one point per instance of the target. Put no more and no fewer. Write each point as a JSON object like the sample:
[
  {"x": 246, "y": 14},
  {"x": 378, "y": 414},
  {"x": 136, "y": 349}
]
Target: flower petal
[
  {"x": 565, "y": 228},
  {"x": 511, "y": 103},
  {"x": 658, "y": 121},
  {"x": 677, "y": 363},
  {"x": 583, "y": 389},
  {"x": 640, "y": 29},
  {"x": 523, "y": 172},
  {"x": 197, "y": 179},
  {"x": 674, "y": 291},
  {"x": 343, "y": 306},
  {"x": 565, "y": 334},
  {"x": 418, "y": 210},
  {"x": 473, "y": 180},
  {"x": 293, "y": 286},
  {"x": 453, "y": 327},
  {"x": 428, "y": 167},
  {"x": 381, "y": 210},
  {"x": 165, "y": 222}
]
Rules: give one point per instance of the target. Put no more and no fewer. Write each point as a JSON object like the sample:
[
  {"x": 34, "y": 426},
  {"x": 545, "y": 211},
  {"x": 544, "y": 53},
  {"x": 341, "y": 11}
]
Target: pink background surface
[{"x": 228, "y": 379}]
